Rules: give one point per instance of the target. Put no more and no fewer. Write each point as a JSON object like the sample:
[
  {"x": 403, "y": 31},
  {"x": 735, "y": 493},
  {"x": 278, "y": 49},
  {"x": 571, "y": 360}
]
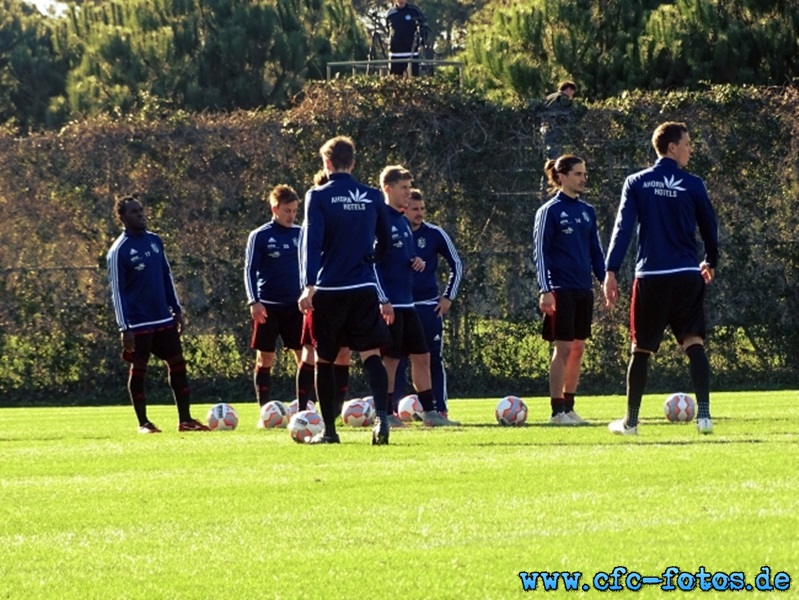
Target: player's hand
[
  {"x": 388, "y": 313},
  {"x": 258, "y": 312},
  {"x": 305, "y": 302},
  {"x": 546, "y": 302},
  {"x": 128, "y": 341},
  {"x": 611, "y": 289},
  {"x": 417, "y": 264},
  {"x": 708, "y": 272},
  {"x": 179, "y": 322},
  {"x": 443, "y": 306}
]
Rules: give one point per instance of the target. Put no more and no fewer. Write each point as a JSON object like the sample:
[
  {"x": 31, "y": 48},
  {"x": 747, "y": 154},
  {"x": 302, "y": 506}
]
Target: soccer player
[
  {"x": 306, "y": 371},
  {"x": 664, "y": 204},
  {"x": 343, "y": 220},
  {"x": 431, "y": 242},
  {"x": 272, "y": 283},
  {"x": 566, "y": 250},
  {"x": 148, "y": 312},
  {"x": 408, "y": 29},
  {"x": 396, "y": 271}
]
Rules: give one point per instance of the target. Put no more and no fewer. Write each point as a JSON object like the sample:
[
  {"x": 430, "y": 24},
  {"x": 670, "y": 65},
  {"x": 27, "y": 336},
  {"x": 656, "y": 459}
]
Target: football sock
[
  {"x": 636, "y": 382},
  {"x": 136, "y": 390},
  {"x": 262, "y": 377},
  {"x": 305, "y": 377},
  {"x": 700, "y": 376},
  {"x": 568, "y": 398},
  {"x": 326, "y": 394},
  {"x": 391, "y": 404},
  {"x": 342, "y": 373},
  {"x": 427, "y": 400},
  {"x": 378, "y": 382},
  {"x": 179, "y": 383},
  {"x": 557, "y": 405}
]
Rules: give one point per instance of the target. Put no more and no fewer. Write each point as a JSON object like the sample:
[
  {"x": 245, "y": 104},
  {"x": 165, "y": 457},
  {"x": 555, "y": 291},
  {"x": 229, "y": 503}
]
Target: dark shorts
[
  {"x": 574, "y": 311},
  {"x": 283, "y": 321},
  {"x": 673, "y": 300},
  {"x": 407, "y": 335},
  {"x": 433, "y": 326},
  {"x": 164, "y": 343},
  {"x": 348, "y": 318}
]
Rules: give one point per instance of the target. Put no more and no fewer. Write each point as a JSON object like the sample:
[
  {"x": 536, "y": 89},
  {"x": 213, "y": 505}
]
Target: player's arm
[
  {"x": 117, "y": 279},
  {"x": 597, "y": 255},
  {"x": 171, "y": 291},
  {"x": 446, "y": 248},
  {"x": 708, "y": 230},
  {"x": 257, "y": 310},
  {"x": 543, "y": 233}
]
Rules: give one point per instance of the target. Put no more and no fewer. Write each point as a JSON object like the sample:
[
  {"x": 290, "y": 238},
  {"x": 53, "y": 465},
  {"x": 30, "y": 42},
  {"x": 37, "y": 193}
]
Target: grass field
[{"x": 91, "y": 509}]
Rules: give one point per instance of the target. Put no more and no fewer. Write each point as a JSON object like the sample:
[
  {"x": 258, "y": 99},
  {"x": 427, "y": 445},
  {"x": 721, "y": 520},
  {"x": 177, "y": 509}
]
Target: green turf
[{"x": 91, "y": 509}]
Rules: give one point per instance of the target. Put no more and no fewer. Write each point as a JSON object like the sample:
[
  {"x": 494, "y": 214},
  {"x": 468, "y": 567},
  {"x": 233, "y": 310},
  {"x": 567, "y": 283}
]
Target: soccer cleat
[
  {"x": 704, "y": 425},
  {"x": 148, "y": 427},
  {"x": 380, "y": 432},
  {"x": 562, "y": 419},
  {"x": 576, "y": 418},
  {"x": 192, "y": 425},
  {"x": 395, "y": 421},
  {"x": 323, "y": 438},
  {"x": 431, "y": 418},
  {"x": 620, "y": 428}
]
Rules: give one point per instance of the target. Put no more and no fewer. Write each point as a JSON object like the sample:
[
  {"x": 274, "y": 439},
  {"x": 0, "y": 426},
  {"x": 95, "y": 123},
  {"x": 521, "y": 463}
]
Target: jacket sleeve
[
  {"x": 314, "y": 227},
  {"x": 117, "y": 281},
  {"x": 708, "y": 228},
  {"x": 623, "y": 228},
  {"x": 597, "y": 255},
  {"x": 447, "y": 249},
  {"x": 169, "y": 284},
  {"x": 250, "y": 270},
  {"x": 542, "y": 238}
]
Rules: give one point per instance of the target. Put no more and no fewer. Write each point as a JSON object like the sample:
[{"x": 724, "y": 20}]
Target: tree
[{"x": 30, "y": 70}]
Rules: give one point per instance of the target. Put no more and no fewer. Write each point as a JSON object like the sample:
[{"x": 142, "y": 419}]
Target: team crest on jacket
[
  {"x": 154, "y": 246},
  {"x": 586, "y": 217},
  {"x": 421, "y": 242}
]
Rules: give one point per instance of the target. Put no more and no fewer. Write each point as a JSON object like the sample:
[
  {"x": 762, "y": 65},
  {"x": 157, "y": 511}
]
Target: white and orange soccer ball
[
  {"x": 370, "y": 400},
  {"x": 680, "y": 408},
  {"x": 222, "y": 417},
  {"x": 304, "y": 425},
  {"x": 511, "y": 412},
  {"x": 409, "y": 408},
  {"x": 274, "y": 414},
  {"x": 294, "y": 407},
  {"x": 357, "y": 413}
]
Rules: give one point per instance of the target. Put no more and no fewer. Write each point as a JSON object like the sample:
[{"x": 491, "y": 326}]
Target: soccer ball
[
  {"x": 274, "y": 414},
  {"x": 304, "y": 425},
  {"x": 294, "y": 407},
  {"x": 511, "y": 412},
  {"x": 357, "y": 413},
  {"x": 409, "y": 408},
  {"x": 680, "y": 408},
  {"x": 223, "y": 417}
]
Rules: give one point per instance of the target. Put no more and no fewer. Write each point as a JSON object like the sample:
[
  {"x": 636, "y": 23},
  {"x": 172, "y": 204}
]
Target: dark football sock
[
  {"x": 391, "y": 404},
  {"x": 568, "y": 398},
  {"x": 636, "y": 383},
  {"x": 700, "y": 376},
  {"x": 427, "y": 400},
  {"x": 179, "y": 383},
  {"x": 262, "y": 377},
  {"x": 557, "y": 405},
  {"x": 136, "y": 391},
  {"x": 378, "y": 383},
  {"x": 305, "y": 384},
  {"x": 326, "y": 394}
]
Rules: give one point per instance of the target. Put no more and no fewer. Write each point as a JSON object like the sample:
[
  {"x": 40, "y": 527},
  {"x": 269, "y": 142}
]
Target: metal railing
[{"x": 381, "y": 67}]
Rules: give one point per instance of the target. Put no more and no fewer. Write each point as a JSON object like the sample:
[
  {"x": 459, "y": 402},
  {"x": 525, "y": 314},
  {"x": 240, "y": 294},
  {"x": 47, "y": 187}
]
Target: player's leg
[
  {"x": 264, "y": 342},
  {"x": 433, "y": 326},
  {"x": 559, "y": 329},
  {"x": 306, "y": 369},
  {"x": 136, "y": 377},
  {"x": 341, "y": 371},
  {"x": 262, "y": 375},
  {"x": 583, "y": 316},
  {"x": 688, "y": 324},
  {"x": 167, "y": 346}
]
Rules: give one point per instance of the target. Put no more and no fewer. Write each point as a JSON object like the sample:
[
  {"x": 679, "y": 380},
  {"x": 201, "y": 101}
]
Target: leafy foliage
[{"x": 203, "y": 178}]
